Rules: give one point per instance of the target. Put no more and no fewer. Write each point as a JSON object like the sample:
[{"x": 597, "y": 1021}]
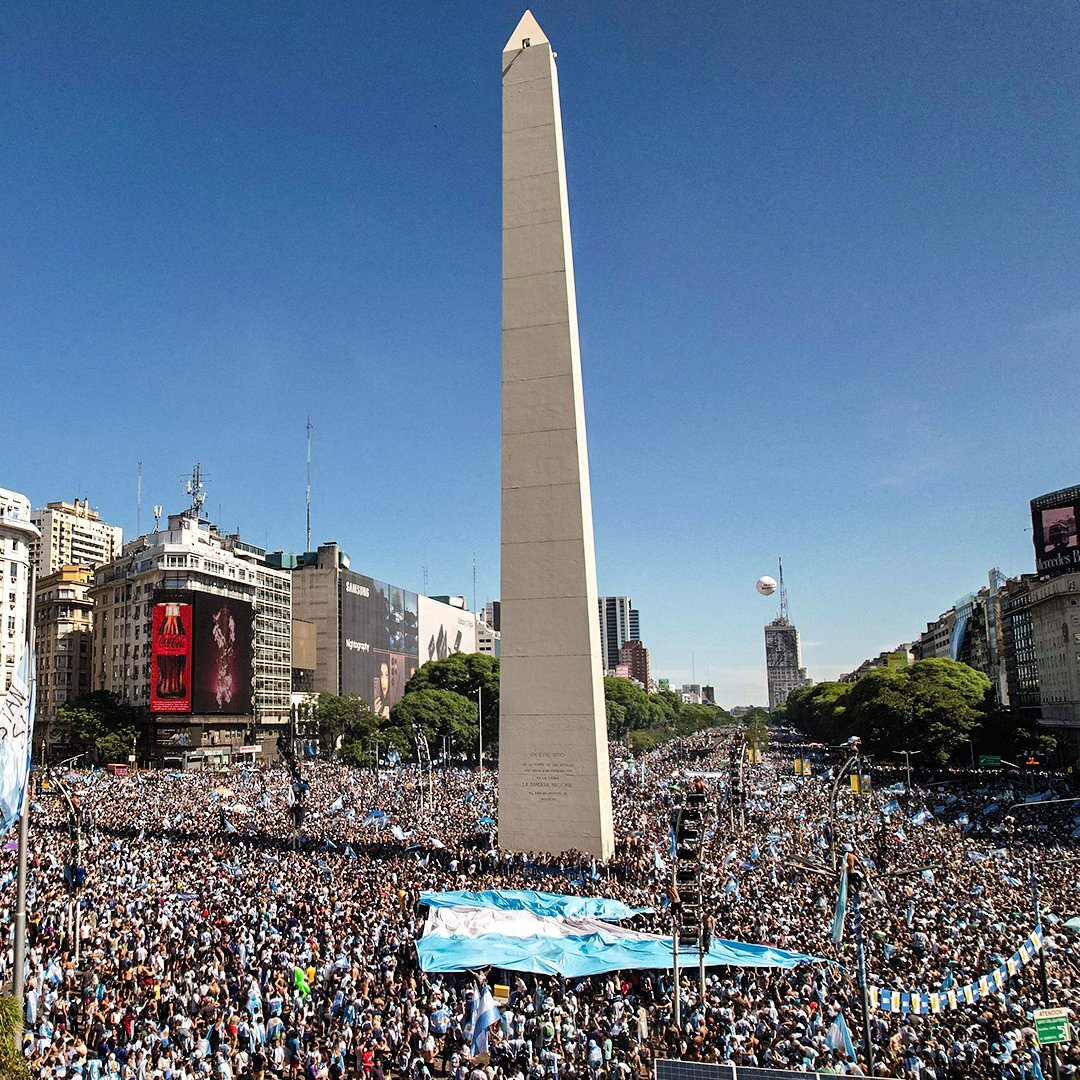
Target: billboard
[
  {"x": 224, "y": 643},
  {"x": 378, "y": 640},
  {"x": 781, "y": 648},
  {"x": 444, "y": 630},
  {"x": 1054, "y": 530},
  {"x": 170, "y": 654}
]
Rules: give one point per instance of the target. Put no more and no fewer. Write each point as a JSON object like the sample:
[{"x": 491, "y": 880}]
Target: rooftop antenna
[
  {"x": 307, "y": 546},
  {"x": 425, "y": 579},
  {"x": 157, "y": 515},
  {"x": 783, "y": 592},
  {"x": 138, "y": 503},
  {"x": 197, "y": 490},
  {"x": 474, "y": 581}
]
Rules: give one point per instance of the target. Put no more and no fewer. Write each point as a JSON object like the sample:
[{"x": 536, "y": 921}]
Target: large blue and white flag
[
  {"x": 485, "y": 1015},
  {"x": 838, "y": 1037},
  {"x": 16, "y": 732},
  {"x": 460, "y": 938}
]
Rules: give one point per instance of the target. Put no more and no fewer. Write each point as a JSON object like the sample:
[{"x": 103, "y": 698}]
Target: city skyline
[{"x": 819, "y": 338}]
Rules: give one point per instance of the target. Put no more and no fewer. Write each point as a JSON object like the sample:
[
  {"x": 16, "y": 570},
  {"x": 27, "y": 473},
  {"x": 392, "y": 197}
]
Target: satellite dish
[{"x": 766, "y": 586}]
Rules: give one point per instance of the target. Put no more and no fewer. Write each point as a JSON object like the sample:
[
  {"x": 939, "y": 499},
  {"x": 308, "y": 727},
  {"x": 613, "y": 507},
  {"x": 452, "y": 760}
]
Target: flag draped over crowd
[{"x": 950, "y": 997}]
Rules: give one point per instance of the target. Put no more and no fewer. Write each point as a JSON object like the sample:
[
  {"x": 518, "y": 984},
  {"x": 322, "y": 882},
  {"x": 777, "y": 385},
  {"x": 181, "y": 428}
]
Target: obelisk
[{"x": 554, "y": 779}]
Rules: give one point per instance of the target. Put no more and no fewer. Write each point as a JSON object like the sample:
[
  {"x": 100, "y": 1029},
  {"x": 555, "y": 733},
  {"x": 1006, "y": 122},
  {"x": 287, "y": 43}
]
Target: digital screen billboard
[
  {"x": 170, "y": 655},
  {"x": 444, "y": 630},
  {"x": 378, "y": 640},
  {"x": 223, "y": 668},
  {"x": 1054, "y": 530}
]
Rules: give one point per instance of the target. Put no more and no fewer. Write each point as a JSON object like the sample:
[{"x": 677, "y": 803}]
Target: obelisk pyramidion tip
[{"x": 528, "y": 30}]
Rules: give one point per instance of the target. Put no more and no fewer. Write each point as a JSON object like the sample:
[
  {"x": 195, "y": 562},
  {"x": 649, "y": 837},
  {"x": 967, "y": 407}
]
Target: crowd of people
[{"x": 207, "y": 939}]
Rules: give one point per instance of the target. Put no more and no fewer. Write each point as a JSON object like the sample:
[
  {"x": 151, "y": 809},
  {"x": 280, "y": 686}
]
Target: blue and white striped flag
[
  {"x": 838, "y": 1037},
  {"x": 17, "y": 727},
  {"x": 841, "y": 908},
  {"x": 485, "y": 1014}
]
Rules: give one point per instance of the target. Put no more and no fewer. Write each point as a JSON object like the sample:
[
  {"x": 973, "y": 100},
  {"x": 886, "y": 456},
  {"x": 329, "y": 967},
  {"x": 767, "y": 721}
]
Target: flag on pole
[
  {"x": 16, "y": 731},
  {"x": 838, "y": 1037},
  {"x": 841, "y": 908}
]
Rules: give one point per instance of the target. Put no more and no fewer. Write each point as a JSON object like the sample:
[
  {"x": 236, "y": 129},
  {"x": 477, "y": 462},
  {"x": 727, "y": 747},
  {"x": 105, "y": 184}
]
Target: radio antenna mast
[
  {"x": 197, "y": 490},
  {"x": 309, "y": 430},
  {"x": 138, "y": 503},
  {"x": 783, "y": 593}
]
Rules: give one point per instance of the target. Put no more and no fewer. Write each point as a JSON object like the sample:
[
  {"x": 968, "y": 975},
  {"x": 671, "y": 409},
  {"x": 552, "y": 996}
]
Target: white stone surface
[{"x": 554, "y": 778}]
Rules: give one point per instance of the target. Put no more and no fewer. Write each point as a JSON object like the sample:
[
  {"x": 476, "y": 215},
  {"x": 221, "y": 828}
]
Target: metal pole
[
  {"x": 856, "y": 911},
  {"x": 675, "y": 971},
  {"x": 480, "y": 713},
  {"x": 19, "y": 952},
  {"x": 1042, "y": 967}
]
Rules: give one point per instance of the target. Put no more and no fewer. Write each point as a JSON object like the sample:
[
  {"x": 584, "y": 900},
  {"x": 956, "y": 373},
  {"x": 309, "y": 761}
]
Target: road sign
[
  {"x": 987, "y": 761},
  {"x": 1051, "y": 1026}
]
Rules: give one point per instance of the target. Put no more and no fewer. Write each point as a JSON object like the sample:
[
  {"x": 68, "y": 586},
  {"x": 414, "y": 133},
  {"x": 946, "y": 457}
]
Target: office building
[
  {"x": 619, "y": 623},
  {"x": 194, "y": 627},
  {"x": 17, "y": 536},
  {"x": 72, "y": 534},
  {"x": 1020, "y": 659},
  {"x": 1054, "y": 604},
  {"x": 63, "y": 633},
  {"x": 371, "y": 637}
]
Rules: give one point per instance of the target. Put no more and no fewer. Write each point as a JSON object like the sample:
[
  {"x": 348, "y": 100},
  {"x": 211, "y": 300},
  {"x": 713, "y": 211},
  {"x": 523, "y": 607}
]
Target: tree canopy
[
  {"x": 936, "y": 706},
  {"x": 100, "y": 725}
]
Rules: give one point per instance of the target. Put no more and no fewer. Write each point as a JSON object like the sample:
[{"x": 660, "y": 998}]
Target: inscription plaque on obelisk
[{"x": 554, "y": 778}]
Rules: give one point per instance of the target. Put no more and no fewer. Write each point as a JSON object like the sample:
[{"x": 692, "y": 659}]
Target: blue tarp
[
  {"x": 539, "y": 903},
  {"x": 576, "y": 957}
]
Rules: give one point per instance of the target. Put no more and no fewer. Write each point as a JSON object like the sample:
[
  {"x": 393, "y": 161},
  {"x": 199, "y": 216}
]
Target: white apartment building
[
  {"x": 72, "y": 534},
  {"x": 17, "y": 534},
  {"x": 189, "y": 554}
]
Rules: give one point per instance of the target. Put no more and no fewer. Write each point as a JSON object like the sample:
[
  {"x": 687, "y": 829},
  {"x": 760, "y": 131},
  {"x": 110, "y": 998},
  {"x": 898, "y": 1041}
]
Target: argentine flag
[
  {"x": 564, "y": 940},
  {"x": 485, "y": 1014},
  {"x": 17, "y": 725},
  {"x": 838, "y": 1037}
]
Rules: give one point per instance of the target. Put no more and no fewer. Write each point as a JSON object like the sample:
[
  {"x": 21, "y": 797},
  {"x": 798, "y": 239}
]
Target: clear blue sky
[{"x": 827, "y": 280}]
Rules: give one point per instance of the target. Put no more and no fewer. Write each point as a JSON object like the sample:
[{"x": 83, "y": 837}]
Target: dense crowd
[{"x": 212, "y": 943}]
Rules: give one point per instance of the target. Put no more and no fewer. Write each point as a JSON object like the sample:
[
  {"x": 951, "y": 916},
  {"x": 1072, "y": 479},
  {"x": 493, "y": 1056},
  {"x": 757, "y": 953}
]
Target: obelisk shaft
[{"x": 554, "y": 779}]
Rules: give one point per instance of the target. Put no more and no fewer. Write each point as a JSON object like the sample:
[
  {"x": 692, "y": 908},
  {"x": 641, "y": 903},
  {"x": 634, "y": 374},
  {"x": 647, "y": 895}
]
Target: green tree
[
  {"x": 437, "y": 713},
  {"x": 634, "y": 703},
  {"x": 465, "y": 674},
  {"x": 101, "y": 725},
  {"x": 820, "y": 710},
  {"x": 343, "y": 718}
]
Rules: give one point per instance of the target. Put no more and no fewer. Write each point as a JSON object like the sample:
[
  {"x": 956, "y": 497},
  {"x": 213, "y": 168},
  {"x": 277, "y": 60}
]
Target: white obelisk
[{"x": 554, "y": 778}]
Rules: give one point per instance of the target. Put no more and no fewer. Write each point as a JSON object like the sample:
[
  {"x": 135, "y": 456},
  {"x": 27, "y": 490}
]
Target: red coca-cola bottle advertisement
[{"x": 170, "y": 672}]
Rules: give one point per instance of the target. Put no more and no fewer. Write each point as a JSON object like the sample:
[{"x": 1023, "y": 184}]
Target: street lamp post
[
  {"x": 480, "y": 726},
  {"x": 907, "y": 760}
]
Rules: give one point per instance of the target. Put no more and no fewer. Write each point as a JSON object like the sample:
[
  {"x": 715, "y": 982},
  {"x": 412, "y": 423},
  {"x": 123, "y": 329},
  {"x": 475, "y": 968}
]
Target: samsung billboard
[
  {"x": 379, "y": 640},
  {"x": 444, "y": 630},
  {"x": 1054, "y": 531}
]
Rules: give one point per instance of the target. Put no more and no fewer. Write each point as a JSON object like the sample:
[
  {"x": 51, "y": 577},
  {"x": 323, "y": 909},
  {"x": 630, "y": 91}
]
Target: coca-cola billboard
[{"x": 170, "y": 657}]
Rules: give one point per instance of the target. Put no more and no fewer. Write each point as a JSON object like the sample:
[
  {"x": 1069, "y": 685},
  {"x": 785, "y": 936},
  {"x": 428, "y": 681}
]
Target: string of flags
[{"x": 951, "y": 997}]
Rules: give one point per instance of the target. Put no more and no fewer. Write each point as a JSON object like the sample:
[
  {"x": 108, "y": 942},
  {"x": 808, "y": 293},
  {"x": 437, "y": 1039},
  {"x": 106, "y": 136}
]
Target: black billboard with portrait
[{"x": 222, "y": 683}]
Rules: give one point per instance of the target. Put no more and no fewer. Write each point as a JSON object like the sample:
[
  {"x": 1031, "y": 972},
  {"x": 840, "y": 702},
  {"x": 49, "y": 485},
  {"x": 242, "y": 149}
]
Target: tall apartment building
[
  {"x": 17, "y": 535},
  {"x": 72, "y": 534},
  {"x": 63, "y": 633},
  {"x": 619, "y": 623},
  {"x": 186, "y": 566},
  {"x": 1021, "y": 661},
  {"x": 636, "y": 658}
]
